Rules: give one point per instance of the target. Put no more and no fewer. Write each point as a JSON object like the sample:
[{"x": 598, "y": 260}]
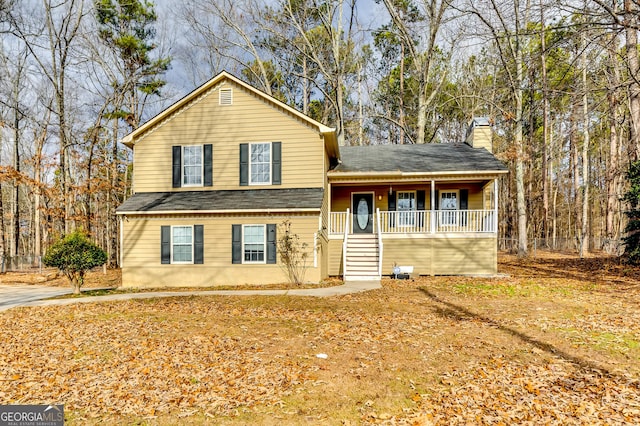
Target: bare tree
[
  {"x": 51, "y": 44},
  {"x": 505, "y": 24},
  {"x": 420, "y": 38}
]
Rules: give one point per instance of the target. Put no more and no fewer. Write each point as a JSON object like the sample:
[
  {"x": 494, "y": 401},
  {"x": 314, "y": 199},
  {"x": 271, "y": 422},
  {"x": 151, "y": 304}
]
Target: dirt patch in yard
[{"x": 556, "y": 341}]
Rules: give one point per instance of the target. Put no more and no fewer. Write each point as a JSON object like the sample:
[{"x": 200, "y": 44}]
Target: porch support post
[
  {"x": 329, "y": 224},
  {"x": 495, "y": 205},
  {"x": 433, "y": 206}
]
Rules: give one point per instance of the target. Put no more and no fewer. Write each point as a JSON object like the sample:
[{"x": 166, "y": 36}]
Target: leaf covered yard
[{"x": 557, "y": 341}]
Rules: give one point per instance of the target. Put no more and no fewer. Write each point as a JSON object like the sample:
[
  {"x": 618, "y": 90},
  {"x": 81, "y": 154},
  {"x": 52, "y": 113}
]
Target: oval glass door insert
[{"x": 362, "y": 214}]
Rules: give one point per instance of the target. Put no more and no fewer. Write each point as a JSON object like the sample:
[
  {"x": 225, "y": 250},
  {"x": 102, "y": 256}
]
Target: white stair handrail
[
  {"x": 344, "y": 245},
  {"x": 379, "y": 242}
]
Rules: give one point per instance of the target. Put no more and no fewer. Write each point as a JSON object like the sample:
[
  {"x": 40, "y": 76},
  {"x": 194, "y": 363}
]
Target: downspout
[
  {"x": 121, "y": 239},
  {"x": 315, "y": 249}
]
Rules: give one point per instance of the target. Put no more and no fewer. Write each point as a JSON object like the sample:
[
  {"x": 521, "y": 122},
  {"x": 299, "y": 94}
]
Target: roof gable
[{"x": 328, "y": 133}]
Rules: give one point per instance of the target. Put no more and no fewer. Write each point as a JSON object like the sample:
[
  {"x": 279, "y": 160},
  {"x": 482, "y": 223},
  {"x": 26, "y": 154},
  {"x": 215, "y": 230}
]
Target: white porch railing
[
  {"x": 405, "y": 222},
  {"x": 465, "y": 221},
  {"x": 422, "y": 221}
]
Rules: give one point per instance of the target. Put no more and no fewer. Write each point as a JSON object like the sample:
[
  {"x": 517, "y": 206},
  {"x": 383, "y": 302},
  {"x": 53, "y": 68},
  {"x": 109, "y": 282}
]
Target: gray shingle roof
[
  {"x": 250, "y": 200},
  {"x": 425, "y": 158}
]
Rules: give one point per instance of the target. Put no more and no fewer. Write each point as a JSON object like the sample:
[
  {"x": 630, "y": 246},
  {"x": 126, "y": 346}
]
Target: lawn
[{"x": 555, "y": 341}]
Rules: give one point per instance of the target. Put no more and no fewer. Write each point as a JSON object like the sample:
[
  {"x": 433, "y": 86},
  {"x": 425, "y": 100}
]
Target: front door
[{"x": 362, "y": 207}]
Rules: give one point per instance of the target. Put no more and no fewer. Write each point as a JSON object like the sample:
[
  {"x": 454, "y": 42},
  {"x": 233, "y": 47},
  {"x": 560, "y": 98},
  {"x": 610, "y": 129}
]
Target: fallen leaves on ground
[{"x": 537, "y": 347}]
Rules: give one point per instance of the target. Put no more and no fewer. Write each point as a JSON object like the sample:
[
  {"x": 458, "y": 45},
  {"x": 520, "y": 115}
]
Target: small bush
[
  {"x": 293, "y": 253},
  {"x": 74, "y": 255}
]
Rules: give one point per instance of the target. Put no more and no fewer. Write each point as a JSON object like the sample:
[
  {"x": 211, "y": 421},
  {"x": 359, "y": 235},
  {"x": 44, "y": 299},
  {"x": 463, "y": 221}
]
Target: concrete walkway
[{"x": 14, "y": 296}]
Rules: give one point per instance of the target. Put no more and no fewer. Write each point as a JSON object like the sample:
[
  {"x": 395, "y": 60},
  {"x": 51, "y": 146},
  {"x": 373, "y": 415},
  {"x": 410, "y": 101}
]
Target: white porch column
[
  {"x": 329, "y": 224},
  {"x": 433, "y": 206},
  {"x": 495, "y": 206}
]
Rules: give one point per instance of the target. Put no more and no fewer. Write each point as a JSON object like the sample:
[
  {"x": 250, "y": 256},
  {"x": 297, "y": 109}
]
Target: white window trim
[
  {"x": 409, "y": 216},
  {"x": 264, "y": 243},
  {"x": 173, "y": 262},
  {"x": 270, "y": 163},
  {"x": 450, "y": 191},
  {"x": 452, "y": 218},
  {"x": 201, "y": 167}
]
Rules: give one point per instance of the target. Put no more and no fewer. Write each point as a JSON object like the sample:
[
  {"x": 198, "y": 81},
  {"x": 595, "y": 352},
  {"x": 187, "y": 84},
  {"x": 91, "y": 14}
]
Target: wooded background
[{"x": 558, "y": 80}]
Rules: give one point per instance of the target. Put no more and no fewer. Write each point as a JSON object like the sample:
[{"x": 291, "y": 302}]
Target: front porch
[{"x": 444, "y": 227}]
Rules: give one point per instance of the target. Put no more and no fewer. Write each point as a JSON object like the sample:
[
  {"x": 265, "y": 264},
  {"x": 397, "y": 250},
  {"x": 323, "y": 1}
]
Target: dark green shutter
[
  {"x": 392, "y": 208},
  {"x": 464, "y": 205},
  {"x": 198, "y": 244},
  {"x": 244, "y": 164},
  {"x": 420, "y": 199},
  {"x": 236, "y": 243},
  {"x": 437, "y": 203},
  {"x": 464, "y": 199},
  {"x": 276, "y": 163},
  {"x": 165, "y": 244},
  {"x": 208, "y": 165},
  {"x": 271, "y": 243},
  {"x": 177, "y": 166}
]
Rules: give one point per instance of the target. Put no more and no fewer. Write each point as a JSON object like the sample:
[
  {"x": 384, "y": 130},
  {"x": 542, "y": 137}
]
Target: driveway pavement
[
  {"x": 12, "y": 296},
  {"x": 19, "y": 295}
]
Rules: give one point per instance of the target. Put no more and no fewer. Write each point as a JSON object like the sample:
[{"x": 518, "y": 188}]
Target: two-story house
[{"x": 216, "y": 174}]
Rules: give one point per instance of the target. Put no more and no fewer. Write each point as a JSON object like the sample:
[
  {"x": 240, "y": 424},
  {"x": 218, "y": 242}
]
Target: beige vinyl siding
[
  {"x": 248, "y": 120},
  {"x": 335, "y": 257},
  {"x": 482, "y": 138},
  {"x": 141, "y": 253},
  {"x": 442, "y": 255},
  {"x": 461, "y": 256},
  {"x": 414, "y": 252},
  {"x": 430, "y": 255}
]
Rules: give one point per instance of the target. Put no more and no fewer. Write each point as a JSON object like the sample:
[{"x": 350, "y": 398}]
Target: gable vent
[{"x": 226, "y": 96}]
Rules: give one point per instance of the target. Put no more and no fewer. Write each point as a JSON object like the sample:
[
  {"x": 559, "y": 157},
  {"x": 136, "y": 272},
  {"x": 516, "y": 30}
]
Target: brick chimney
[{"x": 479, "y": 134}]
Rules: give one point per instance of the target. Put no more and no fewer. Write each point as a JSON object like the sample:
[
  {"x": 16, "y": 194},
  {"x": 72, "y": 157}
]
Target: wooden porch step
[{"x": 362, "y": 257}]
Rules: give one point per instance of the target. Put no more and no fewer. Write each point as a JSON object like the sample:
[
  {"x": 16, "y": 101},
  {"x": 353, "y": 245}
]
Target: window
[
  {"x": 406, "y": 206},
  {"x": 181, "y": 244},
  {"x": 449, "y": 207},
  {"x": 253, "y": 243},
  {"x": 260, "y": 163},
  {"x": 192, "y": 165}
]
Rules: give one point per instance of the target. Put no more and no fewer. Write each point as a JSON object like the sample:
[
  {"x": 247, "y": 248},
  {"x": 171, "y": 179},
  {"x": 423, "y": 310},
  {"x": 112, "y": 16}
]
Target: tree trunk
[
  {"x": 521, "y": 205},
  {"x": 584, "y": 237},
  {"x": 613, "y": 168},
  {"x": 75, "y": 282},
  {"x": 545, "y": 129},
  {"x": 631, "y": 34},
  {"x": 575, "y": 171}
]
